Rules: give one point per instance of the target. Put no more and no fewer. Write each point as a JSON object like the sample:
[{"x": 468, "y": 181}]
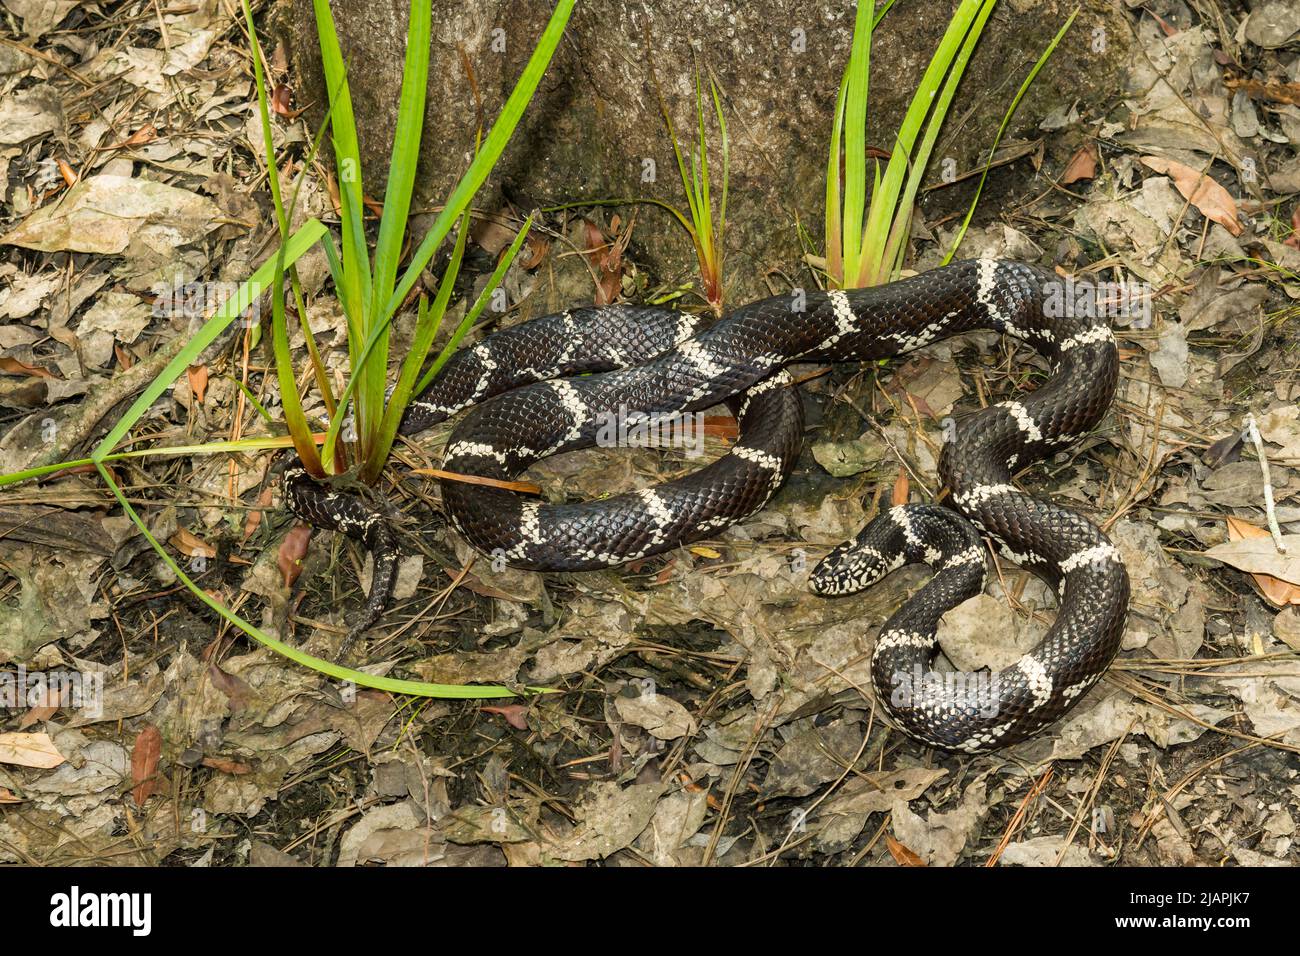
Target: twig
[{"x": 1252, "y": 432}]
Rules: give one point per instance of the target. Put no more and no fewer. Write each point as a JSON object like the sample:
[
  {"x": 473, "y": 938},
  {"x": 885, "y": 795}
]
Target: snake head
[{"x": 849, "y": 568}]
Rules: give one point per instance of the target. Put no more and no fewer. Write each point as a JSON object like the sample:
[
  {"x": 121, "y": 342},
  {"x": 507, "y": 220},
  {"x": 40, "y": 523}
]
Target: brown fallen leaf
[
  {"x": 145, "y": 135},
  {"x": 516, "y": 715},
  {"x": 1082, "y": 165},
  {"x": 10, "y": 364},
  {"x": 690, "y": 786},
  {"x": 47, "y": 707},
  {"x": 68, "y": 173},
  {"x": 902, "y": 489},
  {"x": 537, "y": 249},
  {"x": 901, "y": 854},
  {"x": 29, "y": 750},
  {"x": 1293, "y": 240},
  {"x": 1214, "y": 202},
  {"x": 144, "y": 764},
  {"x": 282, "y": 101},
  {"x": 191, "y": 545},
  {"x": 332, "y": 187},
  {"x": 254, "y": 519},
  {"x": 1271, "y": 90},
  {"x": 1278, "y": 592},
  {"x": 476, "y": 585},
  {"x": 606, "y": 258},
  {"x": 292, "y": 550},
  {"x": 198, "y": 377},
  {"x": 8, "y": 796},
  {"x": 224, "y": 765},
  {"x": 492, "y": 236},
  {"x": 666, "y": 572},
  {"x": 235, "y": 688}
]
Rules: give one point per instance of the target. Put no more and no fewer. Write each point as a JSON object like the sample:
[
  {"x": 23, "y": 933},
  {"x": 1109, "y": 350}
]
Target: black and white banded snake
[{"x": 531, "y": 399}]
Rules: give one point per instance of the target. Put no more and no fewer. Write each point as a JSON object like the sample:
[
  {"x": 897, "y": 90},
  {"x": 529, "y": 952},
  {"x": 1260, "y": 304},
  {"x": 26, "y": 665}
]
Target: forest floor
[{"x": 713, "y": 710}]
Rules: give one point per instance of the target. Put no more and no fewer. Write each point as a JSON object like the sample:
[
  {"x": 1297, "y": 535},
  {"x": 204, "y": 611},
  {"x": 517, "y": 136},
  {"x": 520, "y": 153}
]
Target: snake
[{"x": 544, "y": 387}]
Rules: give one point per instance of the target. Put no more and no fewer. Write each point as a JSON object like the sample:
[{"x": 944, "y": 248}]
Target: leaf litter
[{"x": 718, "y": 712}]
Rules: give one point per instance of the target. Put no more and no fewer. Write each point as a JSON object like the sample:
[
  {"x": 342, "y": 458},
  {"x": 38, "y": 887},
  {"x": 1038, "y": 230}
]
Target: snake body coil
[{"x": 653, "y": 362}]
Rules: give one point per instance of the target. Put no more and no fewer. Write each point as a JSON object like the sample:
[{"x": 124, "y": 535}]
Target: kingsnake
[{"x": 530, "y": 401}]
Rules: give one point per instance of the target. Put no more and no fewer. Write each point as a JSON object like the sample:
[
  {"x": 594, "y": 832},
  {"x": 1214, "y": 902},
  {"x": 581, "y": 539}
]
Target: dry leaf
[
  {"x": 190, "y": 545},
  {"x": 1260, "y": 556},
  {"x": 144, "y": 764},
  {"x": 255, "y": 515},
  {"x": 292, "y": 550},
  {"x": 1214, "y": 202},
  {"x": 106, "y": 213},
  {"x": 49, "y": 706},
  {"x": 198, "y": 378},
  {"x": 9, "y": 364},
  {"x": 537, "y": 249},
  {"x": 29, "y": 750},
  {"x": 225, "y": 765},
  {"x": 516, "y": 715},
  {"x": 1082, "y": 165},
  {"x": 901, "y": 854},
  {"x": 901, "y": 489},
  {"x": 657, "y": 713},
  {"x": 234, "y": 687},
  {"x": 1279, "y": 592},
  {"x": 145, "y": 135},
  {"x": 282, "y": 101}
]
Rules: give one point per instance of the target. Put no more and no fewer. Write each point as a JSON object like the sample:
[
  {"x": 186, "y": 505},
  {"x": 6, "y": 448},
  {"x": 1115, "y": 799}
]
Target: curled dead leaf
[
  {"x": 235, "y": 688},
  {"x": 191, "y": 545},
  {"x": 1280, "y": 593},
  {"x": 1082, "y": 165},
  {"x": 198, "y": 378},
  {"x": 292, "y": 550},
  {"x": 516, "y": 715},
  {"x": 902, "y": 489},
  {"x": 144, "y": 764},
  {"x": 1213, "y": 201},
  {"x": 901, "y": 854}
]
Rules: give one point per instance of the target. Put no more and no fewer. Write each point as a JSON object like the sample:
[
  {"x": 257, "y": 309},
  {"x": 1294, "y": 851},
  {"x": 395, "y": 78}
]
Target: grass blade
[
  {"x": 329, "y": 669},
  {"x": 493, "y": 145},
  {"x": 307, "y": 236},
  {"x": 477, "y": 308},
  {"x": 920, "y": 159},
  {"x": 347, "y": 157},
  {"x": 426, "y": 327},
  {"x": 1006, "y": 119},
  {"x": 856, "y": 85},
  {"x": 884, "y": 201},
  {"x": 392, "y": 225}
]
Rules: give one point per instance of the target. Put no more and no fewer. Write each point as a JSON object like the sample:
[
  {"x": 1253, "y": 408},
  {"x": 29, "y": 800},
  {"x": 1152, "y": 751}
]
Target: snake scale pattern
[{"x": 525, "y": 404}]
